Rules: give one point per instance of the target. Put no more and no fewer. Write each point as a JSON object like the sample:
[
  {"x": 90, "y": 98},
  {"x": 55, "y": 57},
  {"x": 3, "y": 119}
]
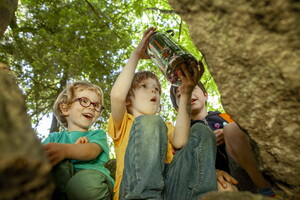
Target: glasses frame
[{"x": 94, "y": 104}]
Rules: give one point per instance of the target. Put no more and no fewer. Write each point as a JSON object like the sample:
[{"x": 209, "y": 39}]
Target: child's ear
[
  {"x": 64, "y": 109},
  {"x": 128, "y": 102},
  {"x": 206, "y": 95}
]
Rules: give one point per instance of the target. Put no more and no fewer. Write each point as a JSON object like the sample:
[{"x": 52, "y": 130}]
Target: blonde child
[{"x": 79, "y": 154}]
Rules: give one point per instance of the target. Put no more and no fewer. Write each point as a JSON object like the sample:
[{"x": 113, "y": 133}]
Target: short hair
[
  {"x": 173, "y": 91},
  {"x": 138, "y": 77},
  {"x": 67, "y": 97}
]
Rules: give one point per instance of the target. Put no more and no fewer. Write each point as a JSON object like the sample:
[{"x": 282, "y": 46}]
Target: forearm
[
  {"x": 124, "y": 80},
  {"x": 85, "y": 152},
  {"x": 120, "y": 90},
  {"x": 182, "y": 127}
]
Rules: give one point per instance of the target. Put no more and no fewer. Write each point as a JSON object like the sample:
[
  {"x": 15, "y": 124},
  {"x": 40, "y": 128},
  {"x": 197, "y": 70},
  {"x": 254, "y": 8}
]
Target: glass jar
[{"x": 168, "y": 55}]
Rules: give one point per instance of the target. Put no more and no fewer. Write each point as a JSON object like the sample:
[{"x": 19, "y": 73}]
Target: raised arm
[
  {"x": 183, "y": 120},
  {"x": 123, "y": 83}
]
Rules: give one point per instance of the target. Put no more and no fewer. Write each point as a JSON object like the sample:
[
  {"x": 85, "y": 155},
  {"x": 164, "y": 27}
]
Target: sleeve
[
  {"x": 227, "y": 117},
  {"x": 170, "y": 149},
  {"x": 51, "y": 138},
  {"x": 99, "y": 137},
  {"x": 111, "y": 128}
]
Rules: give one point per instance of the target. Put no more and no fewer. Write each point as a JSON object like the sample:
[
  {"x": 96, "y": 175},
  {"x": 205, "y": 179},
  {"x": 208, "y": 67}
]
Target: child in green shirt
[{"x": 78, "y": 154}]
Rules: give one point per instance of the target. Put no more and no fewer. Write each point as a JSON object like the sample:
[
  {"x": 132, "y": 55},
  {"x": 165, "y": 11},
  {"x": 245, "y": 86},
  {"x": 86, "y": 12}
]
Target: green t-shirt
[{"x": 97, "y": 136}]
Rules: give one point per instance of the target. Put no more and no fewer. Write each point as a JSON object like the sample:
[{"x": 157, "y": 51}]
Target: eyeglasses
[{"x": 85, "y": 102}]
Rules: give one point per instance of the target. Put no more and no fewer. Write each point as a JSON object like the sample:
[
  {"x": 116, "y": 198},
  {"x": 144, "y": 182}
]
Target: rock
[
  {"x": 24, "y": 167},
  {"x": 234, "y": 196},
  {"x": 252, "y": 49}
]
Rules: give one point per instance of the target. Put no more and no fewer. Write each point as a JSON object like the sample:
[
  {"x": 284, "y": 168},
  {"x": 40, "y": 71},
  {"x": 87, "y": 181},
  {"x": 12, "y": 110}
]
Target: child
[
  {"x": 144, "y": 142},
  {"x": 237, "y": 155},
  {"x": 79, "y": 154}
]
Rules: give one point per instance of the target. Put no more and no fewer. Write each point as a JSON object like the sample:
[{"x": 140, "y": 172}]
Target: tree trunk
[
  {"x": 54, "y": 125},
  {"x": 24, "y": 168},
  {"x": 7, "y": 10},
  {"x": 63, "y": 83}
]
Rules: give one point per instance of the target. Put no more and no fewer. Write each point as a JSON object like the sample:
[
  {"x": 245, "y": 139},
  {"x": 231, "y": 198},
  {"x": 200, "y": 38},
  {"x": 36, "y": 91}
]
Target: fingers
[
  {"x": 229, "y": 178},
  {"x": 142, "y": 47},
  {"x": 82, "y": 140},
  {"x": 149, "y": 31},
  {"x": 220, "y": 142},
  {"x": 54, "y": 152},
  {"x": 147, "y": 34},
  {"x": 86, "y": 140},
  {"x": 201, "y": 72},
  {"x": 196, "y": 72},
  {"x": 233, "y": 180},
  {"x": 53, "y": 159},
  {"x": 230, "y": 188},
  {"x": 222, "y": 181},
  {"x": 185, "y": 74},
  {"x": 220, "y": 138},
  {"x": 52, "y": 156},
  {"x": 78, "y": 141},
  {"x": 220, "y": 187},
  {"x": 224, "y": 178}
]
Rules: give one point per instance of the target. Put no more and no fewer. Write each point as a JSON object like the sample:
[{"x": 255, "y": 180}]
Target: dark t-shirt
[{"x": 214, "y": 121}]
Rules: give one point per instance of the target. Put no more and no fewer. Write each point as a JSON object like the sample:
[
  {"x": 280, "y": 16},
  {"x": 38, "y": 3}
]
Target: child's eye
[
  {"x": 144, "y": 86},
  {"x": 97, "y": 105},
  {"x": 156, "y": 88},
  {"x": 178, "y": 96},
  {"x": 84, "y": 100}
]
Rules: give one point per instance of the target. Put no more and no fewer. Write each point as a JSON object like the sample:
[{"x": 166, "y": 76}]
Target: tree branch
[{"x": 162, "y": 11}]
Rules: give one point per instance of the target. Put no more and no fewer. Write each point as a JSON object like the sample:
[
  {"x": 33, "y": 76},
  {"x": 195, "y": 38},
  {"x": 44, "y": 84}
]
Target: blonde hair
[{"x": 67, "y": 97}]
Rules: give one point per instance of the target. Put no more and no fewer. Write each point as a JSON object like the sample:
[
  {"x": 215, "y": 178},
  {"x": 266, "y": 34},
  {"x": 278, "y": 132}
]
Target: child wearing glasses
[{"x": 78, "y": 154}]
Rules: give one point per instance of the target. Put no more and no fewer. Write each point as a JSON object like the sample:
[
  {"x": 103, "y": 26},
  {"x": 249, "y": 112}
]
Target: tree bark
[
  {"x": 24, "y": 168},
  {"x": 54, "y": 125},
  {"x": 252, "y": 49},
  {"x": 7, "y": 10}
]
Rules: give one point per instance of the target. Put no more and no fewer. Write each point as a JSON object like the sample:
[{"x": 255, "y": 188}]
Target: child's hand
[
  {"x": 140, "y": 50},
  {"x": 201, "y": 71},
  {"x": 55, "y": 152},
  {"x": 219, "y": 136},
  {"x": 189, "y": 81},
  {"x": 229, "y": 188},
  {"x": 225, "y": 180},
  {"x": 82, "y": 140}
]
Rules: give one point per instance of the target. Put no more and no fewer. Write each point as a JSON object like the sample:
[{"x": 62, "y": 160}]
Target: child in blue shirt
[{"x": 78, "y": 154}]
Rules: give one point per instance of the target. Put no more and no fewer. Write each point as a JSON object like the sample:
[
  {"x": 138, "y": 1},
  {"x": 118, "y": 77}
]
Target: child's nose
[{"x": 91, "y": 106}]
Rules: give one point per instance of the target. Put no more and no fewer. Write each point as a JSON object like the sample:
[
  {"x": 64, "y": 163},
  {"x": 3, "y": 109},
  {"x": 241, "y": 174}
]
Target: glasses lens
[
  {"x": 98, "y": 107},
  {"x": 85, "y": 102}
]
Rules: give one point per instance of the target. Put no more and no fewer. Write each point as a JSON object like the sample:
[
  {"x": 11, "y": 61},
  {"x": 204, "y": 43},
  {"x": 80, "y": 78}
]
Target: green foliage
[{"x": 60, "y": 41}]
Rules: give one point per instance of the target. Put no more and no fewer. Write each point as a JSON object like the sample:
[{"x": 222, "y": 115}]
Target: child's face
[
  {"x": 197, "y": 101},
  {"x": 81, "y": 118},
  {"x": 146, "y": 100}
]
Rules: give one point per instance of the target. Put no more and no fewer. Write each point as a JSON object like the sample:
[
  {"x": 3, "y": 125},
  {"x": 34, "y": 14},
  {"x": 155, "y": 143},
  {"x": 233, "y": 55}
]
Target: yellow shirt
[{"x": 121, "y": 145}]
